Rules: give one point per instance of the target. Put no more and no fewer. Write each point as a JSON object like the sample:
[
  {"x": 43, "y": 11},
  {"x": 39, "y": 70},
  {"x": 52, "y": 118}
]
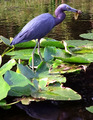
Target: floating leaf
[
  {"x": 87, "y": 36},
  {"x": 28, "y": 44},
  {"x": 62, "y": 67},
  {"x": 75, "y": 59},
  {"x": 7, "y": 66},
  {"x": 5, "y": 40},
  {"x": 51, "y": 42},
  {"x": 24, "y": 54},
  {"x": 49, "y": 52},
  {"x": 26, "y": 71},
  {"x": 80, "y": 43},
  {"x": 20, "y": 85},
  {"x": 90, "y": 109},
  {"x": 4, "y": 88},
  {"x": 37, "y": 60},
  {"x": 42, "y": 83},
  {"x": 57, "y": 93},
  {"x": 42, "y": 68}
]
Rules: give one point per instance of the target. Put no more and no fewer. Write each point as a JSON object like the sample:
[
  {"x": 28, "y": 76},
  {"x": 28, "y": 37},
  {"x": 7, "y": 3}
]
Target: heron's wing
[{"x": 36, "y": 28}]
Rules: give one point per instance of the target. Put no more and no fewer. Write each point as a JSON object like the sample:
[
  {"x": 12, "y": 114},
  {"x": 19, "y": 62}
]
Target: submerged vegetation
[{"x": 47, "y": 82}]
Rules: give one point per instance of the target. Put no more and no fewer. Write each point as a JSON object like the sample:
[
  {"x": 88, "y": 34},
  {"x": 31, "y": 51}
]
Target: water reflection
[
  {"x": 14, "y": 15},
  {"x": 49, "y": 111}
]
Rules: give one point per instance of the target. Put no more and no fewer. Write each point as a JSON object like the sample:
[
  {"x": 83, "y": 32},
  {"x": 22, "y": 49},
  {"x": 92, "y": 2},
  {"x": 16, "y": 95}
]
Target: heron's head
[{"x": 65, "y": 7}]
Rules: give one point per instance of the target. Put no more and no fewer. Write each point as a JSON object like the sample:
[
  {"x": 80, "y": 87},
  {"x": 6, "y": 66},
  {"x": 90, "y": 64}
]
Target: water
[{"x": 14, "y": 14}]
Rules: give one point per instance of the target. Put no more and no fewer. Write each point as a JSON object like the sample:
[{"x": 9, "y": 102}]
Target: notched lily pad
[{"x": 57, "y": 93}]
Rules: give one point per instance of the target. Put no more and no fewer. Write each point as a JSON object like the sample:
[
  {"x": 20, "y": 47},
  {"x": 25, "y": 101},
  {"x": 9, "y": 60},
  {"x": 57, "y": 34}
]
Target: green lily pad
[
  {"x": 28, "y": 44},
  {"x": 44, "y": 42},
  {"x": 76, "y": 59},
  {"x": 87, "y": 36},
  {"x": 7, "y": 66},
  {"x": 24, "y": 54},
  {"x": 5, "y": 40},
  {"x": 62, "y": 67},
  {"x": 80, "y": 43},
  {"x": 49, "y": 52},
  {"x": 4, "y": 88},
  {"x": 37, "y": 60},
  {"x": 26, "y": 71},
  {"x": 57, "y": 93},
  {"x": 90, "y": 109},
  {"x": 20, "y": 85},
  {"x": 42, "y": 68}
]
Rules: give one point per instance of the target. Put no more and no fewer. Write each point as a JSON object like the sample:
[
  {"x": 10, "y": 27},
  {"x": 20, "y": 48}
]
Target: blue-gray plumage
[{"x": 41, "y": 25}]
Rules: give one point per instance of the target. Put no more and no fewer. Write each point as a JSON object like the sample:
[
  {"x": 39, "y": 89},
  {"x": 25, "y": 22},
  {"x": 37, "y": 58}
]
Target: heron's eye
[{"x": 68, "y": 8}]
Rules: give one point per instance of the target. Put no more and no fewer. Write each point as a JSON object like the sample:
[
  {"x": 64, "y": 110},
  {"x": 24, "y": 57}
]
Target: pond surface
[{"x": 14, "y": 14}]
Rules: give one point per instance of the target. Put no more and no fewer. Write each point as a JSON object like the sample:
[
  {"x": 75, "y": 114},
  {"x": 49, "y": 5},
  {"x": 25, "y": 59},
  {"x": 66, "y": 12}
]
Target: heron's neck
[{"x": 59, "y": 17}]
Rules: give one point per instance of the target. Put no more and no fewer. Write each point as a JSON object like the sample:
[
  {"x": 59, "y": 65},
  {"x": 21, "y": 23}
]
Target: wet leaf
[
  {"x": 5, "y": 40},
  {"x": 20, "y": 85},
  {"x": 26, "y": 71},
  {"x": 24, "y": 54},
  {"x": 37, "y": 60},
  {"x": 7, "y": 66},
  {"x": 51, "y": 42},
  {"x": 57, "y": 93},
  {"x": 43, "y": 67},
  {"x": 42, "y": 83},
  {"x": 90, "y": 109},
  {"x": 28, "y": 44},
  {"x": 87, "y": 36},
  {"x": 62, "y": 67},
  {"x": 49, "y": 52},
  {"x": 80, "y": 43},
  {"x": 75, "y": 59},
  {"x": 4, "y": 88}
]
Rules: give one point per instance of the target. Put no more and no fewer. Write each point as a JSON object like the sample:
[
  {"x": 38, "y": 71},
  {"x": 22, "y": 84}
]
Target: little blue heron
[{"x": 41, "y": 25}]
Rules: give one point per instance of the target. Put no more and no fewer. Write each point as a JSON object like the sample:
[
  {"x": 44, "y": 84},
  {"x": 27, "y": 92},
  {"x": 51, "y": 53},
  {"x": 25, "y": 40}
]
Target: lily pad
[
  {"x": 90, "y": 109},
  {"x": 20, "y": 85},
  {"x": 44, "y": 42},
  {"x": 37, "y": 60},
  {"x": 5, "y": 40},
  {"x": 4, "y": 88},
  {"x": 57, "y": 93},
  {"x": 49, "y": 52},
  {"x": 7, "y": 66},
  {"x": 26, "y": 71},
  {"x": 24, "y": 54},
  {"x": 87, "y": 36}
]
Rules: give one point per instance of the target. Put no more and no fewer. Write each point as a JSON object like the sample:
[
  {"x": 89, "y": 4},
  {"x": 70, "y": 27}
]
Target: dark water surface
[{"x": 14, "y": 14}]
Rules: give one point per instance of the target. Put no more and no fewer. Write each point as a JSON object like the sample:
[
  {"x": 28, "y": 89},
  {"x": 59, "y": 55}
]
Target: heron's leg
[
  {"x": 39, "y": 50},
  {"x": 33, "y": 56}
]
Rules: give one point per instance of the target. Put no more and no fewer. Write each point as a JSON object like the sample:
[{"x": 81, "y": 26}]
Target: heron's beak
[{"x": 76, "y": 14}]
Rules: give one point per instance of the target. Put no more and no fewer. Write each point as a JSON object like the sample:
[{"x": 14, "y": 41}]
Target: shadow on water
[
  {"x": 13, "y": 16},
  {"x": 47, "y": 110}
]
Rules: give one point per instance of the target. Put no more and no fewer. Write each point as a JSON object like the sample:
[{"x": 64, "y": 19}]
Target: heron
[{"x": 40, "y": 26}]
